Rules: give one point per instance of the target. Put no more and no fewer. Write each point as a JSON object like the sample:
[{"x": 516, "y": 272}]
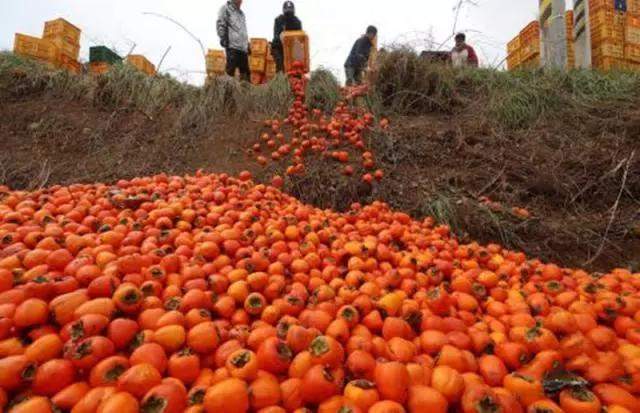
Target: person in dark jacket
[
  {"x": 232, "y": 30},
  {"x": 359, "y": 56},
  {"x": 287, "y": 21}
]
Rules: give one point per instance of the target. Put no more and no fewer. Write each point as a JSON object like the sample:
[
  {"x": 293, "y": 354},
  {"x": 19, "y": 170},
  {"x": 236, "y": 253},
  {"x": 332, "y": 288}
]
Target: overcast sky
[{"x": 332, "y": 25}]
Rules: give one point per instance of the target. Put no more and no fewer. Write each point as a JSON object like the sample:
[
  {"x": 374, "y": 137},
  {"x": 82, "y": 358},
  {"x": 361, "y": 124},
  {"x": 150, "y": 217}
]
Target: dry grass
[{"x": 410, "y": 85}]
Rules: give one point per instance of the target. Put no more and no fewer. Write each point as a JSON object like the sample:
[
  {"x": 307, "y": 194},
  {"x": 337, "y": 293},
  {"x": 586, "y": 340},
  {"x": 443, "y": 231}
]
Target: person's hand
[{"x": 224, "y": 43}]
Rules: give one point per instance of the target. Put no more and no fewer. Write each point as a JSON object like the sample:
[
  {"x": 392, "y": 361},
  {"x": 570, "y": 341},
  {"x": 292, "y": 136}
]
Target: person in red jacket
[{"x": 462, "y": 54}]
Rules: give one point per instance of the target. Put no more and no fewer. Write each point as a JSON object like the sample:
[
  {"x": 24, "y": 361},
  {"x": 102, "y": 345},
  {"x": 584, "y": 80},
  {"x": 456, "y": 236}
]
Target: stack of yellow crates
[
  {"x": 270, "y": 70},
  {"x": 58, "y": 48},
  {"x": 66, "y": 37},
  {"x": 216, "y": 61},
  {"x": 40, "y": 49},
  {"x": 258, "y": 60},
  {"x": 514, "y": 51},
  {"x": 571, "y": 53},
  {"x": 632, "y": 35},
  {"x": 523, "y": 51},
  {"x": 142, "y": 64},
  {"x": 607, "y": 35}
]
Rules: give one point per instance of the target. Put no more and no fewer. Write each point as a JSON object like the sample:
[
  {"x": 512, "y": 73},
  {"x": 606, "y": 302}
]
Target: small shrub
[{"x": 323, "y": 90}]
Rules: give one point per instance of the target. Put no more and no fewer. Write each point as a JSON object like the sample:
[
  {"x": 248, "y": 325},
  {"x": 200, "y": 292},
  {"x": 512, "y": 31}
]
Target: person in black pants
[
  {"x": 287, "y": 21},
  {"x": 359, "y": 56},
  {"x": 232, "y": 30}
]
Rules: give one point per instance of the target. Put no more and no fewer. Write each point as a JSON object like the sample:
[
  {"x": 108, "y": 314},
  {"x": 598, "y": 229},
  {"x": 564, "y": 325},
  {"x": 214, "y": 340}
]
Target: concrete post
[{"x": 553, "y": 34}]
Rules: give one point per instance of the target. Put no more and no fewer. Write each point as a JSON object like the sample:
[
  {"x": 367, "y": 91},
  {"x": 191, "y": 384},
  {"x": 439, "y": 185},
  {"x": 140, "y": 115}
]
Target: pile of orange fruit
[
  {"x": 209, "y": 293},
  {"x": 338, "y": 138}
]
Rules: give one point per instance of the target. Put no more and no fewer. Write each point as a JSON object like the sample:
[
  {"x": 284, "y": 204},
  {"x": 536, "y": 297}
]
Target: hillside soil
[{"x": 578, "y": 178}]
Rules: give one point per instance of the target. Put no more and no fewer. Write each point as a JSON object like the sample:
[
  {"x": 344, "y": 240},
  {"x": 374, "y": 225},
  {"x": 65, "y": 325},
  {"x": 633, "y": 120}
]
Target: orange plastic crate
[
  {"x": 531, "y": 30},
  {"x": 62, "y": 28},
  {"x": 568, "y": 18},
  {"x": 259, "y": 47},
  {"x": 71, "y": 65},
  {"x": 99, "y": 68},
  {"x": 257, "y": 78},
  {"x": 142, "y": 63},
  {"x": 37, "y": 48}
]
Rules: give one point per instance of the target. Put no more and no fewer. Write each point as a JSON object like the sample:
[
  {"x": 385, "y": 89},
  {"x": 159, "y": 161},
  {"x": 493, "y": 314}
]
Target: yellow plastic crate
[
  {"x": 514, "y": 45},
  {"x": 512, "y": 62},
  {"x": 632, "y": 52},
  {"x": 259, "y": 47},
  {"x": 216, "y": 61},
  {"x": 608, "y": 50},
  {"x": 529, "y": 50},
  {"x": 37, "y": 48},
  {"x": 257, "y": 64},
  {"x": 271, "y": 68},
  {"x": 66, "y": 48},
  {"x": 609, "y": 63},
  {"x": 62, "y": 28},
  {"x": 532, "y": 62},
  {"x": 571, "y": 56},
  {"x": 632, "y": 30},
  {"x": 597, "y": 5}
]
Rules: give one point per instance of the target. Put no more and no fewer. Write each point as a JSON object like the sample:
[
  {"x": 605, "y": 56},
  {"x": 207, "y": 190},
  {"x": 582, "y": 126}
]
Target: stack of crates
[
  {"x": 607, "y": 26},
  {"x": 571, "y": 52},
  {"x": 530, "y": 46},
  {"x": 40, "y": 49},
  {"x": 258, "y": 60},
  {"x": 66, "y": 37},
  {"x": 101, "y": 58},
  {"x": 216, "y": 62},
  {"x": 514, "y": 51},
  {"x": 632, "y": 35},
  {"x": 529, "y": 52},
  {"x": 270, "y": 70},
  {"x": 142, "y": 64},
  {"x": 59, "y": 46}
]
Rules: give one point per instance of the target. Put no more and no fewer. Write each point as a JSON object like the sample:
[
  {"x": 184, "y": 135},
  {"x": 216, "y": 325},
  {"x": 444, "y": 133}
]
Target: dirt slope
[{"x": 579, "y": 178}]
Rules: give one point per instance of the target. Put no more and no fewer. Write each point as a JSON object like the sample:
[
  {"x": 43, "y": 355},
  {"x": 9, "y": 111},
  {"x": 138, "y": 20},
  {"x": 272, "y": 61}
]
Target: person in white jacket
[
  {"x": 462, "y": 54},
  {"x": 234, "y": 38}
]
